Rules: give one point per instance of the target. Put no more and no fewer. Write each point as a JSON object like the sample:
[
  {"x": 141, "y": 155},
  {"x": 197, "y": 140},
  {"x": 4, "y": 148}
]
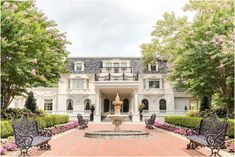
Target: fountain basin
[{"x": 117, "y": 134}]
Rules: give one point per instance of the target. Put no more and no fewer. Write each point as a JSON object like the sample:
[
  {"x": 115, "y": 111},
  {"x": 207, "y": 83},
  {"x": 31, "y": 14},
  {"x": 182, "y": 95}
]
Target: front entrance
[{"x": 109, "y": 108}]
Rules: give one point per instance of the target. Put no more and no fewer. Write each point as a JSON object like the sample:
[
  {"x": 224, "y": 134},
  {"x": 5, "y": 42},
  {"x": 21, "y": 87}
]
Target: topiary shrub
[{"x": 31, "y": 102}]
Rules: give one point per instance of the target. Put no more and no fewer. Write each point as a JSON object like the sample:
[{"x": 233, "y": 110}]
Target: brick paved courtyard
[{"x": 159, "y": 143}]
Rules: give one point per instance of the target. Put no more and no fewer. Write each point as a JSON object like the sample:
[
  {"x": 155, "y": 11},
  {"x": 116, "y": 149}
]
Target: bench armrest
[
  {"x": 23, "y": 141},
  {"x": 45, "y": 132},
  {"x": 216, "y": 140},
  {"x": 192, "y": 131}
]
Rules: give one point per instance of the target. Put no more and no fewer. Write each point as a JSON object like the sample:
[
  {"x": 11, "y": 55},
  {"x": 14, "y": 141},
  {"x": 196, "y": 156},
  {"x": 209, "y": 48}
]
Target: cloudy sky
[{"x": 108, "y": 27}]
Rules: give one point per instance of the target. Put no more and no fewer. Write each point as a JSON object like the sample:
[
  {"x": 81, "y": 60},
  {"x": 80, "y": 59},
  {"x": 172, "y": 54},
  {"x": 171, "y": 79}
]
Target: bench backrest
[
  {"x": 213, "y": 125},
  {"x": 79, "y": 116},
  {"x": 152, "y": 118},
  {"x": 25, "y": 126}
]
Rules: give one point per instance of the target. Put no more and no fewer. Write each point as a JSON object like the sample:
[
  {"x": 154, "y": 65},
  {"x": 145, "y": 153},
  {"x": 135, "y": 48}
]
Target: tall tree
[
  {"x": 201, "y": 52},
  {"x": 32, "y": 50},
  {"x": 31, "y": 102}
]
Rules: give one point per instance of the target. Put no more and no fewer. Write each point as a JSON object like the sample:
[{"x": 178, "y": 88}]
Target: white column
[
  {"x": 97, "y": 117},
  {"x": 136, "y": 117}
]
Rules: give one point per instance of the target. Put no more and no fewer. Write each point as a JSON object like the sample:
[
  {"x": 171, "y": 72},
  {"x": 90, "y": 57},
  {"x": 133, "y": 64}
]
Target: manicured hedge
[
  {"x": 191, "y": 122},
  {"x": 43, "y": 122}
]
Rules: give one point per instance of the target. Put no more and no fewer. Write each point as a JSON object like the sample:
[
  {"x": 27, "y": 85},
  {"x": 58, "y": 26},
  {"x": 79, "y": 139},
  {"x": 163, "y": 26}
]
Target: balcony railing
[
  {"x": 122, "y": 77},
  {"x": 116, "y": 70}
]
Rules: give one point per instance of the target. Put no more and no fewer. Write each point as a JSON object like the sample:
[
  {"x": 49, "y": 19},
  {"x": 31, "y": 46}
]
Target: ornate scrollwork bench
[
  {"x": 27, "y": 134},
  {"x": 210, "y": 133},
  {"x": 150, "y": 122},
  {"x": 83, "y": 123}
]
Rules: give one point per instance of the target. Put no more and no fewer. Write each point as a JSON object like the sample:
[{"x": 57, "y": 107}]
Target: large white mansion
[{"x": 96, "y": 81}]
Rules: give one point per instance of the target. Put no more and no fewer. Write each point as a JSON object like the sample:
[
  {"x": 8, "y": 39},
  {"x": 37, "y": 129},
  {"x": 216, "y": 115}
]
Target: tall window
[
  {"x": 162, "y": 104},
  {"x": 153, "y": 67},
  {"x": 108, "y": 65},
  {"x": 78, "y": 66},
  {"x": 69, "y": 104},
  {"x": 87, "y": 104},
  {"x": 123, "y": 65},
  {"x": 48, "y": 104},
  {"x": 154, "y": 84},
  {"x": 78, "y": 83},
  {"x": 106, "y": 105},
  {"x": 146, "y": 104},
  {"x": 116, "y": 67}
]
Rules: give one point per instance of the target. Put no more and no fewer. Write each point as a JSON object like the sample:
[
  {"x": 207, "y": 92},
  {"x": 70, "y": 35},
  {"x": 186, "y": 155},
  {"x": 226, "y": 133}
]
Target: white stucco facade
[{"x": 93, "y": 81}]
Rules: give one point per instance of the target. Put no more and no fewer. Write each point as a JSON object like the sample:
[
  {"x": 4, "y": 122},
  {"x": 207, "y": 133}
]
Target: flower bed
[
  {"x": 8, "y": 144},
  {"x": 229, "y": 143}
]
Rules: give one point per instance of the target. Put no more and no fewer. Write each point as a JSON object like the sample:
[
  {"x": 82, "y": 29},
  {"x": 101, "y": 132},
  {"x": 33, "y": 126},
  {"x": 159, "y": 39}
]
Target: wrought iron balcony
[
  {"x": 116, "y": 70},
  {"x": 122, "y": 77}
]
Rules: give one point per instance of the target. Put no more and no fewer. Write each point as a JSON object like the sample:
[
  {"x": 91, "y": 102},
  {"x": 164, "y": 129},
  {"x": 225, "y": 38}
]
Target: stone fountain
[{"x": 117, "y": 119}]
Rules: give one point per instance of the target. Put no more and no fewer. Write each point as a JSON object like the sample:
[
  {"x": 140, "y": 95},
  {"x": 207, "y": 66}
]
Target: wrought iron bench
[
  {"x": 210, "y": 133},
  {"x": 27, "y": 134},
  {"x": 83, "y": 123},
  {"x": 150, "y": 122}
]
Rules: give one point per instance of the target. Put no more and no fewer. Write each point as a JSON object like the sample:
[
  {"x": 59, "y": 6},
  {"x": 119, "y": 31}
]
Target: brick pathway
[{"x": 159, "y": 143}]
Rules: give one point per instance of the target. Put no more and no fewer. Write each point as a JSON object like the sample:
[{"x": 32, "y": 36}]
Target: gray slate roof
[{"x": 92, "y": 65}]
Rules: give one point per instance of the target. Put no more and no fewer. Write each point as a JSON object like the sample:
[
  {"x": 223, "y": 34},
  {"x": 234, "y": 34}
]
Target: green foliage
[
  {"x": 10, "y": 113},
  {"x": 193, "y": 113},
  {"x": 43, "y": 122},
  {"x": 200, "y": 52},
  {"x": 31, "y": 102},
  {"x": 32, "y": 50},
  {"x": 192, "y": 122},
  {"x": 6, "y": 129},
  {"x": 204, "y": 103}
]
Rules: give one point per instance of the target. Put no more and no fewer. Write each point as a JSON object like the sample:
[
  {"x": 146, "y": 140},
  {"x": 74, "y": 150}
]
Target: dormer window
[
  {"x": 78, "y": 66},
  {"x": 153, "y": 67}
]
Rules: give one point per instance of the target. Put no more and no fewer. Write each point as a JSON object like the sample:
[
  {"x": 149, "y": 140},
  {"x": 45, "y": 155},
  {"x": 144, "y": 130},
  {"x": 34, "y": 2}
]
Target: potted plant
[
  {"x": 141, "y": 108},
  {"x": 92, "y": 108}
]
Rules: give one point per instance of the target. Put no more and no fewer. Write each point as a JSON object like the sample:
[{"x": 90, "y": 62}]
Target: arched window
[
  {"x": 146, "y": 104},
  {"x": 106, "y": 105},
  {"x": 162, "y": 104},
  {"x": 87, "y": 104},
  {"x": 125, "y": 105},
  {"x": 69, "y": 104}
]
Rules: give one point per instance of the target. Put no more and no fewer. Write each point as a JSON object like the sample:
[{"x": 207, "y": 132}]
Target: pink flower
[
  {"x": 2, "y": 150},
  {"x": 214, "y": 40},
  {"x": 34, "y": 61},
  {"x": 220, "y": 39},
  {"x": 33, "y": 72},
  {"x": 221, "y": 65},
  {"x": 42, "y": 77},
  {"x": 225, "y": 21}
]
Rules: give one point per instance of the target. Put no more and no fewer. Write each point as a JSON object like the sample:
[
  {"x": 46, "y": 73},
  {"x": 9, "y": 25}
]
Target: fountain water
[{"x": 117, "y": 119}]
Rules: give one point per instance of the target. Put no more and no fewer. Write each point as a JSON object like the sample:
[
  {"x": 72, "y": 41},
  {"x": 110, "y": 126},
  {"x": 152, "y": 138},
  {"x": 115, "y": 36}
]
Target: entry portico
[{"x": 106, "y": 93}]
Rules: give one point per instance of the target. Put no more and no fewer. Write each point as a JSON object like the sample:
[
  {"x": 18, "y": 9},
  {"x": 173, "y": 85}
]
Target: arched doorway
[
  {"x": 106, "y": 105},
  {"x": 125, "y": 106}
]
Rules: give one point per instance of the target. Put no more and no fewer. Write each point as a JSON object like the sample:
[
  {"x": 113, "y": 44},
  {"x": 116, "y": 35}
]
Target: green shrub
[
  {"x": 43, "y": 122},
  {"x": 193, "y": 113},
  {"x": 6, "y": 128},
  {"x": 191, "y": 122}
]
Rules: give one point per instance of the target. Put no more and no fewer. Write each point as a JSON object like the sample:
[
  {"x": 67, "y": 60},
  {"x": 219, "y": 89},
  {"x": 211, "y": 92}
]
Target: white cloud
[{"x": 107, "y": 27}]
